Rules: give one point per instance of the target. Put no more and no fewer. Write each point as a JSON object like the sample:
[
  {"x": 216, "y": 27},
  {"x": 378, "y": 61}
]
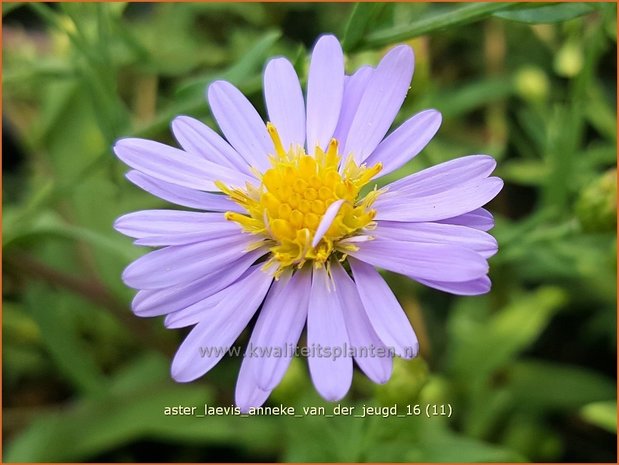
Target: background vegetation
[{"x": 529, "y": 369}]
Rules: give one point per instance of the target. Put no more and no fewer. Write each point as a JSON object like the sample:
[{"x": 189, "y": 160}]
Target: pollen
[{"x": 287, "y": 209}]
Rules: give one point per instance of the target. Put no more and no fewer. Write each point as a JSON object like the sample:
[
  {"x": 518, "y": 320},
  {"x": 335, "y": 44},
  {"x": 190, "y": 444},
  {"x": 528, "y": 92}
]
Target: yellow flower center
[{"x": 288, "y": 206}]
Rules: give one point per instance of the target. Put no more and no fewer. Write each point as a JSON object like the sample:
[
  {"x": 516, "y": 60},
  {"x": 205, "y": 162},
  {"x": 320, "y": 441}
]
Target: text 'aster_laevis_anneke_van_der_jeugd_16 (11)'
[{"x": 285, "y": 218}]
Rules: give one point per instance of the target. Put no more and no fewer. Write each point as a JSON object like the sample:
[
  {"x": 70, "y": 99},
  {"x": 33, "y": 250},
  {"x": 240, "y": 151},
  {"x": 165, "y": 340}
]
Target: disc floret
[{"x": 287, "y": 208}]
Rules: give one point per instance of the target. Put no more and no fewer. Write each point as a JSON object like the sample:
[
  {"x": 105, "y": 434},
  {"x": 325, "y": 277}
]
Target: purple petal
[
  {"x": 200, "y": 310},
  {"x": 474, "y": 239},
  {"x": 438, "y": 262},
  {"x": 381, "y": 102},
  {"x": 241, "y": 124},
  {"x": 325, "y": 88},
  {"x": 284, "y": 101},
  {"x": 480, "y": 219},
  {"x": 196, "y": 137},
  {"x": 185, "y": 238},
  {"x": 279, "y": 326},
  {"x": 461, "y": 199},
  {"x": 247, "y": 393},
  {"x": 363, "y": 338},
  {"x": 173, "y": 227},
  {"x": 384, "y": 311},
  {"x": 326, "y": 331},
  {"x": 182, "y": 195},
  {"x": 327, "y": 219},
  {"x": 209, "y": 341},
  {"x": 354, "y": 87},
  {"x": 150, "y": 303},
  {"x": 178, "y": 264},
  {"x": 444, "y": 176},
  {"x": 175, "y": 166},
  {"x": 474, "y": 287},
  {"x": 405, "y": 142},
  {"x": 195, "y": 313}
]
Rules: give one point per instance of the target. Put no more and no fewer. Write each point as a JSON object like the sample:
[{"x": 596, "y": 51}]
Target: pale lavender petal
[
  {"x": 182, "y": 195},
  {"x": 193, "y": 314},
  {"x": 178, "y": 264},
  {"x": 363, "y": 338},
  {"x": 284, "y": 101},
  {"x": 187, "y": 238},
  {"x": 196, "y": 137},
  {"x": 279, "y": 326},
  {"x": 148, "y": 303},
  {"x": 148, "y": 223},
  {"x": 381, "y": 102},
  {"x": 443, "y": 176},
  {"x": 247, "y": 394},
  {"x": 326, "y": 331},
  {"x": 461, "y": 199},
  {"x": 438, "y": 262},
  {"x": 327, "y": 219},
  {"x": 480, "y": 219},
  {"x": 406, "y": 141},
  {"x": 474, "y": 287},
  {"x": 325, "y": 88},
  {"x": 209, "y": 340},
  {"x": 354, "y": 87},
  {"x": 384, "y": 311},
  {"x": 175, "y": 166},
  {"x": 196, "y": 312},
  {"x": 474, "y": 239},
  {"x": 241, "y": 124}
]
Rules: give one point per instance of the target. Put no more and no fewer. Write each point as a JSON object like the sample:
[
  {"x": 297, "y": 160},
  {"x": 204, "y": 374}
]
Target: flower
[{"x": 285, "y": 224}]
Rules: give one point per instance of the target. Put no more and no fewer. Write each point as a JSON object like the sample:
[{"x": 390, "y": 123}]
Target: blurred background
[{"x": 529, "y": 369}]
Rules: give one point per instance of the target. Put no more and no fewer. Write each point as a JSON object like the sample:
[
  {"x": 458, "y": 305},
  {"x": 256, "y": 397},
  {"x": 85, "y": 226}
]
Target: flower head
[{"x": 289, "y": 221}]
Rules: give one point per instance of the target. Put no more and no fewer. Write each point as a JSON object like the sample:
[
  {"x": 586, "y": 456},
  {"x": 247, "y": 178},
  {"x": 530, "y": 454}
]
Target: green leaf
[
  {"x": 470, "y": 96},
  {"x": 92, "y": 427},
  {"x": 525, "y": 172},
  {"x": 133, "y": 409},
  {"x": 49, "y": 223},
  {"x": 455, "y": 16},
  {"x": 450, "y": 447},
  {"x": 537, "y": 385},
  {"x": 480, "y": 346},
  {"x": 555, "y": 13},
  {"x": 360, "y": 20},
  {"x": 57, "y": 327},
  {"x": 602, "y": 414},
  {"x": 250, "y": 65},
  {"x": 419, "y": 439}
]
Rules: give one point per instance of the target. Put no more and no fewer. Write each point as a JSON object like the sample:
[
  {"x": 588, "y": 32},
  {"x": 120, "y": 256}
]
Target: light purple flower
[{"x": 281, "y": 224}]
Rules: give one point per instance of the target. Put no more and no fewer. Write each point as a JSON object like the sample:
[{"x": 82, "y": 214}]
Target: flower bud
[
  {"x": 407, "y": 380},
  {"x": 569, "y": 60},
  {"x": 596, "y": 207},
  {"x": 532, "y": 84}
]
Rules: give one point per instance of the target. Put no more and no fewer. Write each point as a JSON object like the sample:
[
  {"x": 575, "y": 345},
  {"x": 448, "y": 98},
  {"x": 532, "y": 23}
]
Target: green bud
[
  {"x": 569, "y": 60},
  {"x": 407, "y": 380},
  {"x": 436, "y": 391},
  {"x": 596, "y": 207},
  {"x": 532, "y": 84}
]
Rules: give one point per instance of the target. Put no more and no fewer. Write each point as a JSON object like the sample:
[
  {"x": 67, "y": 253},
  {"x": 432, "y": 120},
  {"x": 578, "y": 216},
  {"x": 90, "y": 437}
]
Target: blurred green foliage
[{"x": 529, "y": 369}]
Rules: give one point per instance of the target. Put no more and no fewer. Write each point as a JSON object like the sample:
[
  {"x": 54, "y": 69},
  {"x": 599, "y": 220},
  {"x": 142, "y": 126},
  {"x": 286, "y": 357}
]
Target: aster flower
[{"x": 288, "y": 220}]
